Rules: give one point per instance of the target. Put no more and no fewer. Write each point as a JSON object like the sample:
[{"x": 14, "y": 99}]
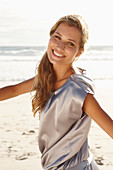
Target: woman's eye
[
  {"x": 70, "y": 44},
  {"x": 57, "y": 37}
]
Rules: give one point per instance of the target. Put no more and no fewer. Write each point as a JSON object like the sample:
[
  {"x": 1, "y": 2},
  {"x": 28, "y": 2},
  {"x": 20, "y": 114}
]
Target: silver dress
[{"x": 64, "y": 127}]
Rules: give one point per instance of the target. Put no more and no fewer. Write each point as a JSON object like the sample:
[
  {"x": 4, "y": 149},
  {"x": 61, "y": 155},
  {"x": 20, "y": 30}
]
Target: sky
[{"x": 28, "y": 22}]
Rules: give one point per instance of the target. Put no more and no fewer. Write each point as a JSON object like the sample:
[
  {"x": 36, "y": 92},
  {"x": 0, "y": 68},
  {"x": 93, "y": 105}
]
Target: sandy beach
[{"x": 19, "y": 131}]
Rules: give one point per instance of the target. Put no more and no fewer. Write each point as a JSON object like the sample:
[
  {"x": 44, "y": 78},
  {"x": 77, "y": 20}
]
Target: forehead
[{"x": 71, "y": 32}]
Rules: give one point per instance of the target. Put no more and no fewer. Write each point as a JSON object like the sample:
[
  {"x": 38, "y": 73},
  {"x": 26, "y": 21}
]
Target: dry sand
[{"x": 19, "y": 131}]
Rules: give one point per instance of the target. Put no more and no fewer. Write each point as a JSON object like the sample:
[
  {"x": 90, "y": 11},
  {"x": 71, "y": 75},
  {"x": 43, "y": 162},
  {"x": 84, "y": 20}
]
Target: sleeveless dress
[{"x": 64, "y": 127}]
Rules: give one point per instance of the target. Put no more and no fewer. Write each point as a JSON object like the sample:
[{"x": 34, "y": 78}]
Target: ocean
[{"x": 18, "y": 63}]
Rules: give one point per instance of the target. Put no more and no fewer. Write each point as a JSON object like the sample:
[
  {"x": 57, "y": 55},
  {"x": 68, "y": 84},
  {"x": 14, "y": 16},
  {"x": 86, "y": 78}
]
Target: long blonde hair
[{"x": 45, "y": 78}]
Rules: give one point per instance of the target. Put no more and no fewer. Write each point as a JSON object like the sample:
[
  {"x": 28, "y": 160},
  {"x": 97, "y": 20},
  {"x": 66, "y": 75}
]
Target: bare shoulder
[
  {"x": 91, "y": 105},
  {"x": 92, "y": 108}
]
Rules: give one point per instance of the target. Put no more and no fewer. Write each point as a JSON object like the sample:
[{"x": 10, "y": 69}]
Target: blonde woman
[{"x": 64, "y": 98}]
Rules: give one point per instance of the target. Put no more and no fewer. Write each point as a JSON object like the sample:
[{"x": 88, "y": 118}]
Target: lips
[{"x": 57, "y": 55}]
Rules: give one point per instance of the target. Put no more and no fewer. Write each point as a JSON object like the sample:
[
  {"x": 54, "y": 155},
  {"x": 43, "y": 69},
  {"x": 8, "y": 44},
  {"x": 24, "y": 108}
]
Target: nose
[{"x": 61, "y": 45}]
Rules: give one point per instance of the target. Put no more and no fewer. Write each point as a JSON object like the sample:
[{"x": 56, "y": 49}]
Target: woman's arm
[
  {"x": 93, "y": 109},
  {"x": 15, "y": 90}
]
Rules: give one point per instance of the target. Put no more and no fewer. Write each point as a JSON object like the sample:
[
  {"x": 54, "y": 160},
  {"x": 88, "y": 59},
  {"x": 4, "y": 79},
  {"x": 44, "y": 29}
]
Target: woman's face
[{"x": 63, "y": 46}]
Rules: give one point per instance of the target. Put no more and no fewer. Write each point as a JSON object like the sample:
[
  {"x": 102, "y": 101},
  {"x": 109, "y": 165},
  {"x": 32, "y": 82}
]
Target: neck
[{"x": 63, "y": 73}]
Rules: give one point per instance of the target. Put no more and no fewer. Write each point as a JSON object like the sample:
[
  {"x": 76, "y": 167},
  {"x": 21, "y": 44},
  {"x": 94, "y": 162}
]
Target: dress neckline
[
  {"x": 67, "y": 81},
  {"x": 78, "y": 72}
]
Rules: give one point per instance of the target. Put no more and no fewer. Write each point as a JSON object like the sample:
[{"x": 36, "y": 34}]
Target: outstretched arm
[
  {"x": 94, "y": 110},
  {"x": 15, "y": 90}
]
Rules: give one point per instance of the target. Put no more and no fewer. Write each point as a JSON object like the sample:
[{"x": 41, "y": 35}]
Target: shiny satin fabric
[{"x": 64, "y": 126}]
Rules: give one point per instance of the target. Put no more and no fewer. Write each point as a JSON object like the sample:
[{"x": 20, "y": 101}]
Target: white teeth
[{"x": 58, "y": 54}]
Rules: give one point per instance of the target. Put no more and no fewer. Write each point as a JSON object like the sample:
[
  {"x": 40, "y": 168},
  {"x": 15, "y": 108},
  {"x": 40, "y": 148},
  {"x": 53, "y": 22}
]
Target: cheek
[
  {"x": 49, "y": 45},
  {"x": 49, "y": 48},
  {"x": 75, "y": 52},
  {"x": 51, "y": 41},
  {"x": 72, "y": 53}
]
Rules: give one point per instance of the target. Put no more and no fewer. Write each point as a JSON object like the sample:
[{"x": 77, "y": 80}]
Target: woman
[{"x": 64, "y": 97}]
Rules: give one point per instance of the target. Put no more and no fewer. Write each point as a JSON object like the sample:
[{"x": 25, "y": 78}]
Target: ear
[{"x": 80, "y": 52}]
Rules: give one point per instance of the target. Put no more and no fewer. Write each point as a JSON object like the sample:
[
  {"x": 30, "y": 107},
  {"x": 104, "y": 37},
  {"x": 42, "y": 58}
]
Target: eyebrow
[{"x": 68, "y": 39}]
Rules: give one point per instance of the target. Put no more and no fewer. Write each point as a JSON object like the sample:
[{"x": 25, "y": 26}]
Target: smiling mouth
[{"x": 57, "y": 55}]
